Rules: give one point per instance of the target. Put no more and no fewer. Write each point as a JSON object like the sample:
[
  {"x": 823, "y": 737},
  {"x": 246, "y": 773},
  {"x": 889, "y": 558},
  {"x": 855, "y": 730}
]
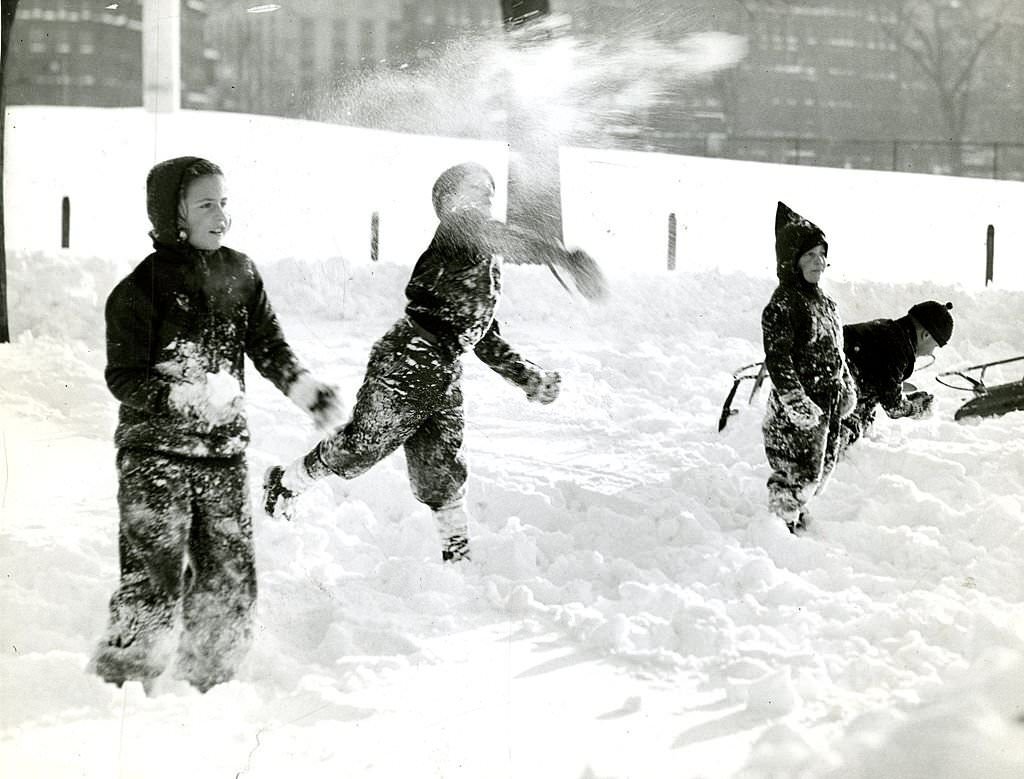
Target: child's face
[
  {"x": 475, "y": 191},
  {"x": 926, "y": 343},
  {"x": 205, "y": 215},
  {"x": 812, "y": 264}
]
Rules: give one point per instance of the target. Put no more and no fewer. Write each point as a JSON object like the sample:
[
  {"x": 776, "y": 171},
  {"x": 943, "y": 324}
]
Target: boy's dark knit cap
[
  {"x": 450, "y": 179},
  {"x": 935, "y": 318},
  {"x": 794, "y": 235},
  {"x": 165, "y": 185}
]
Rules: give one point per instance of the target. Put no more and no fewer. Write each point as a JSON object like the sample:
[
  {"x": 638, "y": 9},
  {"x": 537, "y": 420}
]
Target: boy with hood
[
  {"x": 881, "y": 355},
  {"x": 178, "y": 329},
  {"x": 812, "y": 389},
  {"x": 412, "y": 394}
]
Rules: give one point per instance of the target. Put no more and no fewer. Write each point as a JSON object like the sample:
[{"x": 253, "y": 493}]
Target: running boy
[
  {"x": 178, "y": 329},
  {"x": 812, "y": 386},
  {"x": 412, "y": 395}
]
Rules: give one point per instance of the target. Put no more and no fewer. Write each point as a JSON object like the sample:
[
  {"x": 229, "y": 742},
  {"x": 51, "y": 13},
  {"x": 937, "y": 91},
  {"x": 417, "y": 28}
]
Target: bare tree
[
  {"x": 9, "y": 7},
  {"x": 945, "y": 39}
]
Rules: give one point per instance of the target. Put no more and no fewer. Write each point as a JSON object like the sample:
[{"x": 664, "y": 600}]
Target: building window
[
  {"x": 339, "y": 43},
  {"x": 37, "y": 40},
  {"x": 86, "y": 41},
  {"x": 366, "y": 36}
]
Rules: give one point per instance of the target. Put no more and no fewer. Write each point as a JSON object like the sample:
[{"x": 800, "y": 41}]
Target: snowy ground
[{"x": 631, "y": 610}]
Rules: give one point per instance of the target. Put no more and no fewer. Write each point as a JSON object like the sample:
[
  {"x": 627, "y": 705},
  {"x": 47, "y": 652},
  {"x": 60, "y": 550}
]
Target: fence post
[
  {"x": 672, "y": 241},
  {"x": 895, "y": 155},
  {"x": 990, "y": 253},
  {"x": 995, "y": 160},
  {"x": 374, "y": 236},
  {"x": 65, "y": 222}
]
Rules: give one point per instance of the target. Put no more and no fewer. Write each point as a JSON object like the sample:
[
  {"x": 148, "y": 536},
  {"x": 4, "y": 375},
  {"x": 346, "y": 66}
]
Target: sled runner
[
  {"x": 988, "y": 401},
  {"x": 756, "y": 372}
]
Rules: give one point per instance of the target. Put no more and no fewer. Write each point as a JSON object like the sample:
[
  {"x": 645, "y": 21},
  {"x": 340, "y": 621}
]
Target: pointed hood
[
  {"x": 165, "y": 186},
  {"x": 794, "y": 235}
]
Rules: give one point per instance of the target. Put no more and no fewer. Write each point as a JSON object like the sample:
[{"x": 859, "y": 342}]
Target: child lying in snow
[
  {"x": 412, "y": 394},
  {"x": 178, "y": 329}
]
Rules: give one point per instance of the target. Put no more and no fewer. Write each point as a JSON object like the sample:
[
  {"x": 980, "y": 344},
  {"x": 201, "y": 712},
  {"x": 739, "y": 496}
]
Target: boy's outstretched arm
[
  {"x": 522, "y": 246},
  {"x": 540, "y": 386}
]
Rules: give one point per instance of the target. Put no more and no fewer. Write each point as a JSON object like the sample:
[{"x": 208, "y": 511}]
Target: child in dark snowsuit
[
  {"x": 812, "y": 386},
  {"x": 412, "y": 395},
  {"x": 178, "y": 329},
  {"x": 881, "y": 355}
]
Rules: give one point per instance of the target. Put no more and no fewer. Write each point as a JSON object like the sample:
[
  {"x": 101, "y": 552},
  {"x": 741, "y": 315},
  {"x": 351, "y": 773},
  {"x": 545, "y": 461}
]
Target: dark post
[
  {"x": 374, "y": 236},
  {"x": 990, "y": 253},
  {"x": 65, "y": 222},
  {"x": 671, "y": 241}
]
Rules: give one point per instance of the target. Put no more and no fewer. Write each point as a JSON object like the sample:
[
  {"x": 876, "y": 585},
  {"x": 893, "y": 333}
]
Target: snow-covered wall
[{"x": 305, "y": 189}]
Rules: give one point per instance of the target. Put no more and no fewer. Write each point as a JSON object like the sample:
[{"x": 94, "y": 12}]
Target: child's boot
[
  {"x": 453, "y": 527},
  {"x": 134, "y": 662}
]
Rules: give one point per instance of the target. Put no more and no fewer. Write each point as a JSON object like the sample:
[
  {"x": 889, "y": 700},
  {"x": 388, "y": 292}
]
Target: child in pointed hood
[{"x": 812, "y": 389}]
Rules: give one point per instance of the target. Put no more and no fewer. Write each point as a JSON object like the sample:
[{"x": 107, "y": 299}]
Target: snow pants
[
  {"x": 411, "y": 397},
  {"x": 185, "y": 542},
  {"x": 801, "y": 459}
]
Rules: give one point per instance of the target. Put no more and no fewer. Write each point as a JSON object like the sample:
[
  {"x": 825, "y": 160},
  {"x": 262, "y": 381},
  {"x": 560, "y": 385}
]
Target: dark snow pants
[
  {"x": 185, "y": 539},
  {"x": 411, "y": 397},
  {"x": 801, "y": 459}
]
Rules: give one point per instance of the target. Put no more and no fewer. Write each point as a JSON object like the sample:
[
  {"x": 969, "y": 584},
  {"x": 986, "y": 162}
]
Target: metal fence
[{"x": 978, "y": 160}]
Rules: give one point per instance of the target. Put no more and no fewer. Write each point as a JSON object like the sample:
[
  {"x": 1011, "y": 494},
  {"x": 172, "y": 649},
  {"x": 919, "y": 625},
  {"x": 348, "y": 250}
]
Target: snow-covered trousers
[
  {"x": 411, "y": 397},
  {"x": 185, "y": 540},
  {"x": 801, "y": 459}
]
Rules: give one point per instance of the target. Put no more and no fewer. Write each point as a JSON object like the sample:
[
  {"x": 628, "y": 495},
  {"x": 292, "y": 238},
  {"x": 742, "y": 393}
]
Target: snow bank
[
  {"x": 631, "y": 608},
  {"x": 308, "y": 190}
]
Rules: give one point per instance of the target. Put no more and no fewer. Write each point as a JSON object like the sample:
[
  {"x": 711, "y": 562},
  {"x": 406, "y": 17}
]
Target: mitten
[
  {"x": 543, "y": 387},
  {"x": 847, "y": 399},
  {"x": 317, "y": 399},
  {"x": 920, "y": 403},
  {"x": 586, "y": 275},
  {"x": 282, "y": 486},
  {"x": 801, "y": 410}
]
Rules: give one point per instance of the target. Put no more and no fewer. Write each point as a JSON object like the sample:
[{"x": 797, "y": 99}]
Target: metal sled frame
[
  {"x": 987, "y": 401},
  {"x": 756, "y": 372}
]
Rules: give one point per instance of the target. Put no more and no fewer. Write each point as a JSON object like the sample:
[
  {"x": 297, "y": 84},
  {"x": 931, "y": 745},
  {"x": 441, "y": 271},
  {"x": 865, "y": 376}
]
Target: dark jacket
[
  {"x": 881, "y": 354},
  {"x": 456, "y": 285},
  {"x": 802, "y": 332},
  {"x": 182, "y": 312}
]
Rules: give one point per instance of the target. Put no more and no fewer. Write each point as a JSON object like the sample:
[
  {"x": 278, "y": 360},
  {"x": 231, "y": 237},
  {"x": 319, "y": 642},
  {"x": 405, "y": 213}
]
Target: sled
[
  {"x": 755, "y": 372},
  {"x": 988, "y": 401}
]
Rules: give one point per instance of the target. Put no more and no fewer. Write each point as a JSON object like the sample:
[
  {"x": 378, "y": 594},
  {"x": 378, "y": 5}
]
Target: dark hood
[
  {"x": 794, "y": 235},
  {"x": 165, "y": 185}
]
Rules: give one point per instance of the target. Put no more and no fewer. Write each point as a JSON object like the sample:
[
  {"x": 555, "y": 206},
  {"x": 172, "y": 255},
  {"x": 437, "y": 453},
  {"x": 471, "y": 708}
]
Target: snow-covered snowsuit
[
  {"x": 881, "y": 355},
  {"x": 411, "y": 395},
  {"x": 803, "y": 344},
  {"x": 185, "y": 529}
]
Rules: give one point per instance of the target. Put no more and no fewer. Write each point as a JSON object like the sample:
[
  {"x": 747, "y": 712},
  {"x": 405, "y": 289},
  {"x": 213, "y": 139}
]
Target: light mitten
[
  {"x": 317, "y": 399},
  {"x": 543, "y": 387},
  {"x": 801, "y": 410}
]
